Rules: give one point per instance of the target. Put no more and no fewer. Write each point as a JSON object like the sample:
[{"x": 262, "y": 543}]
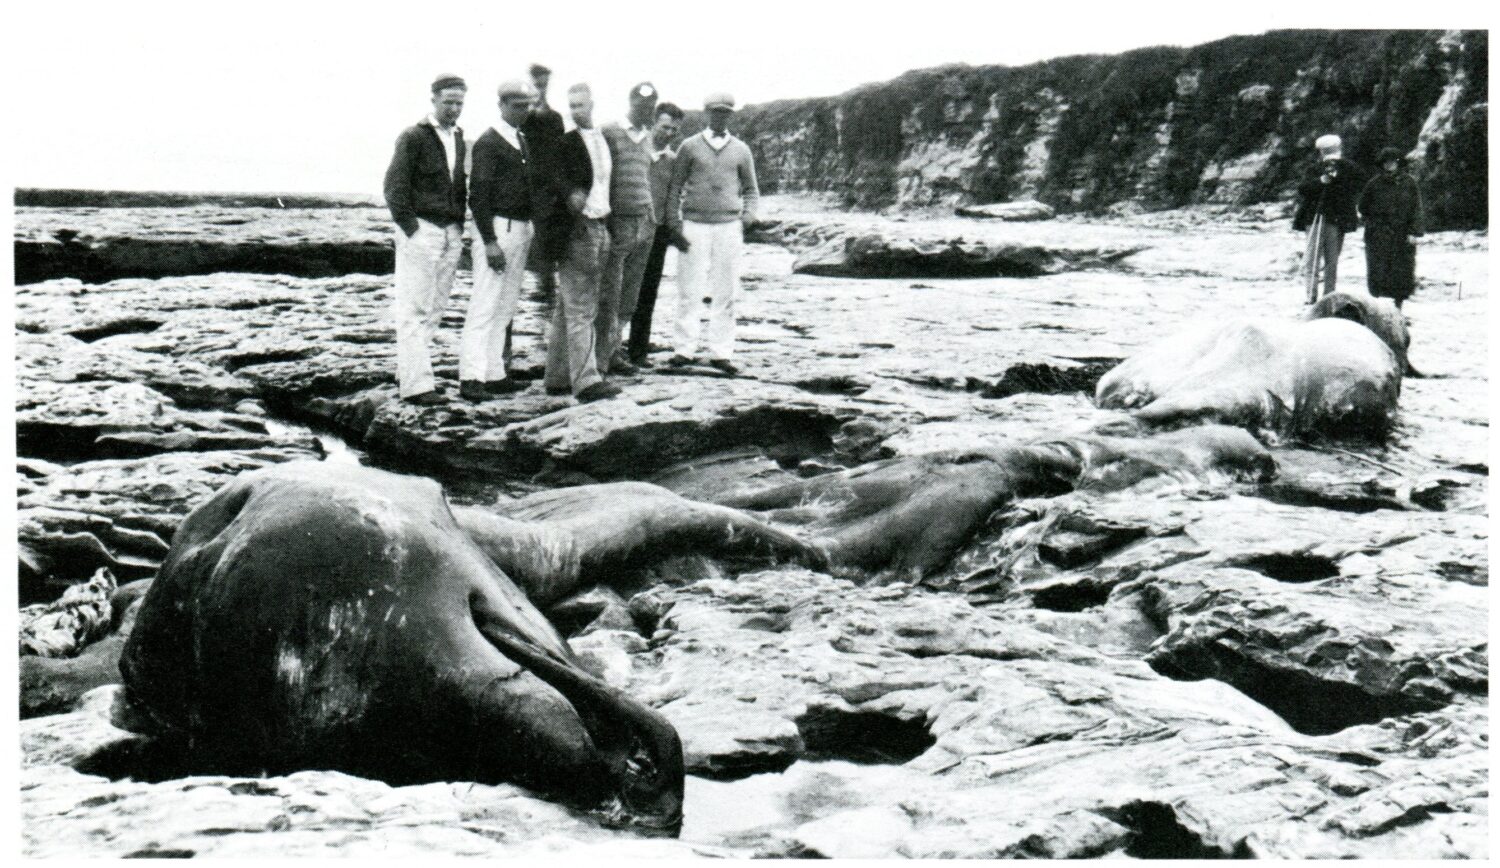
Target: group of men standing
[{"x": 596, "y": 206}]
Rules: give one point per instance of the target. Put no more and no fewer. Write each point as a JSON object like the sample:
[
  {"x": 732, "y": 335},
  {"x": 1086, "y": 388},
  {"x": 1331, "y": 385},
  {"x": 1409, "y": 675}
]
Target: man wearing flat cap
[
  {"x": 1391, "y": 206},
  {"x": 425, "y": 188},
  {"x": 1326, "y": 210},
  {"x": 711, "y": 199},
  {"x": 632, "y": 225},
  {"x": 500, "y": 196}
]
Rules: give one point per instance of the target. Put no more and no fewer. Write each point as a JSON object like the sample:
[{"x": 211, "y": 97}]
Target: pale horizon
[{"x": 308, "y": 98}]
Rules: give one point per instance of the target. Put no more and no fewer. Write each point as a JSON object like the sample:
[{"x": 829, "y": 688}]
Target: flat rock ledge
[
  {"x": 101, "y": 244},
  {"x": 852, "y": 247}
]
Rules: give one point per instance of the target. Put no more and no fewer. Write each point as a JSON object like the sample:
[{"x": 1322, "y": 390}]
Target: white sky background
[{"x": 309, "y": 96}]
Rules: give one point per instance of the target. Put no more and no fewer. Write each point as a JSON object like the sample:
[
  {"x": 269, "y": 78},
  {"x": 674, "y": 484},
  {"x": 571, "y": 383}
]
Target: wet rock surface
[
  {"x": 100, "y": 244},
  {"x": 1189, "y": 667},
  {"x": 854, "y": 246}
]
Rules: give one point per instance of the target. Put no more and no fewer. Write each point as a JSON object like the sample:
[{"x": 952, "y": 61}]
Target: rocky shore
[{"x": 1289, "y": 668}]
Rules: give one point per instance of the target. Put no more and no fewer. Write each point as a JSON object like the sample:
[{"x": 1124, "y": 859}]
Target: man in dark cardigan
[
  {"x": 1326, "y": 210},
  {"x": 500, "y": 195},
  {"x": 426, "y": 190},
  {"x": 1391, "y": 207}
]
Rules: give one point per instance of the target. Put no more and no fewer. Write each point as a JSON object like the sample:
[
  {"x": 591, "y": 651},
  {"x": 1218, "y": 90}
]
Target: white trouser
[
  {"x": 708, "y": 276},
  {"x": 425, "y": 265},
  {"x": 492, "y": 305}
]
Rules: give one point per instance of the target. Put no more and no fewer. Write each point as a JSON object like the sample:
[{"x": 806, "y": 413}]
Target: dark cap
[
  {"x": 643, "y": 91},
  {"x": 446, "y": 81},
  {"x": 537, "y": 69},
  {"x": 1389, "y": 154}
]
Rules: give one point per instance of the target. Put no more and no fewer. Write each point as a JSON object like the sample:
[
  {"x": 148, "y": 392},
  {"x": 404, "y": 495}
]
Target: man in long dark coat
[{"x": 1391, "y": 207}]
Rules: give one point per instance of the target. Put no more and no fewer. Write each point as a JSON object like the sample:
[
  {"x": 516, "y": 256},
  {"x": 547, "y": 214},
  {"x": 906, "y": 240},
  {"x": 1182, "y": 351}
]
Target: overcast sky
[{"x": 309, "y": 96}]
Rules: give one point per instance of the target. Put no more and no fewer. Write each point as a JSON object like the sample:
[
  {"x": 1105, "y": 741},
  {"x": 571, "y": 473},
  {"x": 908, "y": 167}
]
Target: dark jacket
[
  {"x": 418, "y": 182},
  {"x": 542, "y": 127},
  {"x": 1392, "y": 203},
  {"x": 1392, "y": 208},
  {"x": 500, "y": 183},
  {"x": 566, "y": 168},
  {"x": 1337, "y": 200}
]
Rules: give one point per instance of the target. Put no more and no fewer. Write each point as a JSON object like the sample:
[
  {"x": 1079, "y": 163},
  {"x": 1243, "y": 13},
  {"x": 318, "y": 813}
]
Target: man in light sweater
[
  {"x": 632, "y": 226},
  {"x": 710, "y": 201},
  {"x": 500, "y": 198}
]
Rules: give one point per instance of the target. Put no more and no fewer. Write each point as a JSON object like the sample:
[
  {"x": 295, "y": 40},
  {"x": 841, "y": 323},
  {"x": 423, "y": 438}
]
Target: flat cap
[
  {"x": 447, "y": 80},
  {"x": 1388, "y": 154},
  {"x": 720, "y": 99},
  {"x": 537, "y": 69},
  {"x": 644, "y": 90},
  {"x": 1329, "y": 145},
  {"x": 515, "y": 89}
]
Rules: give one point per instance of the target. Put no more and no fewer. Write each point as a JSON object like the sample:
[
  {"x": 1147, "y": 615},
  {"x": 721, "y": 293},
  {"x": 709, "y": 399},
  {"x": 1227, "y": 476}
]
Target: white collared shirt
[
  {"x": 636, "y": 135},
  {"x": 597, "y": 205},
  {"x": 664, "y": 152},
  {"x": 446, "y": 137},
  {"x": 508, "y": 133},
  {"x": 716, "y": 142}
]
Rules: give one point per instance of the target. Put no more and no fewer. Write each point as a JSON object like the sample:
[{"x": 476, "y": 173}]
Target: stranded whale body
[
  {"x": 1379, "y": 315},
  {"x": 315, "y": 615},
  {"x": 1331, "y": 375},
  {"x": 325, "y": 616},
  {"x": 556, "y": 543},
  {"x": 909, "y": 516}
]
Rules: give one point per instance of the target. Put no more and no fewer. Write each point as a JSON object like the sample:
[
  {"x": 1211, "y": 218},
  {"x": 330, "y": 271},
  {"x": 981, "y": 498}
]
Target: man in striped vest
[{"x": 632, "y": 226}]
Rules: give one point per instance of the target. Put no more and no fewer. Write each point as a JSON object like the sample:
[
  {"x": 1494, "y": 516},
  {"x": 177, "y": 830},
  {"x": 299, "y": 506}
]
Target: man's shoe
[
  {"x": 473, "y": 390},
  {"x": 559, "y": 390},
  {"x": 600, "y": 391},
  {"x": 622, "y": 368},
  {"x": 724, "y": 365},
  {"x": 507, "y": 386},
  {"x": 679, "y": 361},
  {"x": 641, "y": 362},
  {"x": 427, "y": 398}
]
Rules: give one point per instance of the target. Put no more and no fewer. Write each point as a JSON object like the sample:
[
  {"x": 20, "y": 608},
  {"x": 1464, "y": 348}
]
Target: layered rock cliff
[{"x": 1230, "y": 122}]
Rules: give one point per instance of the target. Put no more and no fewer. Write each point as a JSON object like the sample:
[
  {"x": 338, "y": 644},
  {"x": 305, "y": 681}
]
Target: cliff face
[{"x": 1231, "y": 121}]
